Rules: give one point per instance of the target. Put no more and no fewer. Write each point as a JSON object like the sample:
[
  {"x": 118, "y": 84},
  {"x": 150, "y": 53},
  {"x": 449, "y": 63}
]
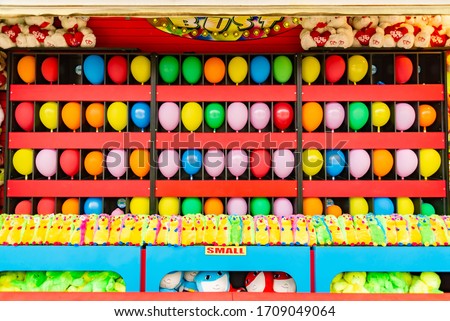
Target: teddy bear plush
[
  {"x": 341, "y": 34},
  {"x": 315, "y": 32},
  {"x": 397, "y": 32},
  {"x": 3, "y": 76},
  {"x": 76, "y": 32},
  {"x": 364, "y": 29}
]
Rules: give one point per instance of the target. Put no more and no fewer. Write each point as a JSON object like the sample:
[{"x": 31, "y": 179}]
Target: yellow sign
[{"x": 225, "y": 250}]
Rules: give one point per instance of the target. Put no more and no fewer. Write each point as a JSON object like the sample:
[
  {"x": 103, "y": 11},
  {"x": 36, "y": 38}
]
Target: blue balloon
[
  {"x": 259, "y": 69},
  {"x": 191, "y": 161},
  {"x": 383, "y": 206},
  {"x": 93, "y": 205},
  {"x": 94, "y": 69},
  {"x": 335, "y": 162},
  {"x": 140, "y": 114}
]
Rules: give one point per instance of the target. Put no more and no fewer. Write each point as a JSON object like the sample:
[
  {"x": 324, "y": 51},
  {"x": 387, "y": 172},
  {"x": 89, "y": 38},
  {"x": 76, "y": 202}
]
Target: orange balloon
[
  {"x": 140, "y": 162},
  {"x": 382, "y": 162},
  {"x": 334, "y": 210},
  {"x": 71, "y": 206},
  {"x": 213, "y": 205},
  {"x": 26, "y": 68},
  {"x": 312, "y": 206},
  {"x": 312, "y": 116},
  {"x": 95, "y": 115},
  {"x": 427, "y": 115},
  {"x": 71, "y": 115},
  {"x": 214, "y": 70},
  {"x": 93, "y": 163}
]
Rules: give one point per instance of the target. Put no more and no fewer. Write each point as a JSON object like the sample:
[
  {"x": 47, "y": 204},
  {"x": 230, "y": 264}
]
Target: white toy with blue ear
[
  {"x": 188, "y": 283},
  {"x": 213, "y": 281},
  {"x": 170, "y": 282},
  {"x": 283, "y": 282}
]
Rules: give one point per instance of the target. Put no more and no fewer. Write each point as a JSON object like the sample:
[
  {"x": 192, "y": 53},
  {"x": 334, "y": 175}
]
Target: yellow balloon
[
  {"x": 141, "y": 68},
  {"x": 430, "y": 161},
  {"x": 140, "y": 205},
  {"x": 405, "y": 205},
  {"x": 117, "y": 115},
  {"x": 169, "y": 206},
  {"x": 380, "y": 114},
  {"x": 312, "y": 161},
  {"x": 357, "y": 68},
  {"x": 237, "y": 69},
  {"x": 192, "y": 116},
  {"x": 48, "y": 114},
  {"x": 358, "y": 205},
  {"x": 23, "y": 161},
  {"x": 310, "y": 69}
]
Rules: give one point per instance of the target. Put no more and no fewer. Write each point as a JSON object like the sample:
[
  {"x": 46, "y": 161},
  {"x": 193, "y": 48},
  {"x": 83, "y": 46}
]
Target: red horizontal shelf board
[
  {"x": 364, "y": 188},
  {"x": 433, "y": 92},
  {"x": 397, "y": 140},
  {"x": 92, "y": 93},
  {"x": 226, "y": 140},
  {"x": 78, "y": 188},
  {"x": 229, "y": 93},
  {"x": 231, "y": 188}
]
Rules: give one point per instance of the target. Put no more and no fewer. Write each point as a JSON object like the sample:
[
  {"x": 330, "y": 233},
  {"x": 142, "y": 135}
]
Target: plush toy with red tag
[
  {"x": 259, "y": 282},
  {"x": 283, "y": 282}
]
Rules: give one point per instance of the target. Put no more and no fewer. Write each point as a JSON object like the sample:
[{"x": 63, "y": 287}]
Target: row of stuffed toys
[
  {"x": 223, "y": 230},
  {"x": 3, "y": 73}
]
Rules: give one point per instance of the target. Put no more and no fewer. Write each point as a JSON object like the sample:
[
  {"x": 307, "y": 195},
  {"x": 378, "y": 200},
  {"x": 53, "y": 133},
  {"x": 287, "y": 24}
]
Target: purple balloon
[
  {"x": 406, "y": 162},
  {"x": 237, "y": 162},
  {"x": 259, "y": 115},
  {"x": 334, "y": 115},
  {"x": 404, "y": 116},
  {"x": 237, "y": 116},
  {"x": 117, "y": 162},
  {"x": 282, "y": 207},
  {"x": 358, "y": 162},
  {"x": 169, "y": 162},
  {"x": 214, "y": 162},
  {"x": 169, "y": 116},
  {"x": 236, "y": 206},
  {"x": 283, "y": 162},
  {"x": 47, "y": 162}
]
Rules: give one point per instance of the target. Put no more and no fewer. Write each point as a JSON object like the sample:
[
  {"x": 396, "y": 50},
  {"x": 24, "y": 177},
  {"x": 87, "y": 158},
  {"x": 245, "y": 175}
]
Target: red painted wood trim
[
  {"x": 143, "y": 269},
  {"x": 312, "y": 270}
]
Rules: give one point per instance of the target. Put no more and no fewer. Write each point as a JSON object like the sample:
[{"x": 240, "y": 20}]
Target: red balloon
[
  {"x": 24, "y": 115},
  {"x": 118, "y": 69},
  {"x": 403, "y": 69},
  {"x": 260, "y": 162},
  {"x": 283, "y": 115},
  {"x": 49, "y": 69},
  {"x": 334, "y": 68},
  {"x": 46, "y": 205},
  {"x": 70, "y": 162},
  {"x": 23, "y": 207}
]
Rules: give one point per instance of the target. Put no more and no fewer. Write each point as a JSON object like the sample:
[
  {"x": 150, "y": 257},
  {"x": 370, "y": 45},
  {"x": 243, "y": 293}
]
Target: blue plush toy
[{"x": 212, "y": 281}]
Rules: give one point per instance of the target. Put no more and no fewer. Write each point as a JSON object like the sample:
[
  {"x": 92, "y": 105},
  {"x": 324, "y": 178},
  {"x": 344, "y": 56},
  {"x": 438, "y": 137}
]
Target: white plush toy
[
  {"x": 342, "y": 36},
  {"x": 397, "y": 32},
  {"x": 3, "y": 74},
  {"x": 8, "y": 35},
  {"x": 77, "y": 34},
  {"x": 364, "y": 28},
  {"x": 316, "y": 31}
]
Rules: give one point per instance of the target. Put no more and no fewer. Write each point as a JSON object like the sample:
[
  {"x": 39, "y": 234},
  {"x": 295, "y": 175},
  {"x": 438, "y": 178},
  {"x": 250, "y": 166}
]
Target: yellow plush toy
[
  {"x": 345, "y": 221},
  {"x": 349, "y": 282},
  {"x": 199, "y": 224},
  {"x": 115, "y": 226},
  {"x": 91, "y": 220},
  {"x": 312, "y": 237},
  {"x": 337, "y": 236},
  {"x": 30, "y": 229},
  {"x": 362, "y": 229},
  {"x": 188, "y": 230},
  {"x": 210, "y": 235},
  {"x": 301, "y": 235},
  {"x": 18, "y": 226},
  {"x": 153, "y": 226},
  {"x": 248, "y": 230},
  {"x": 174, "y": 231},
  {"x": 44, "y": 225},
  {"x": 223, "y": 230},
  {"x": 388, "y": 224},
  {"x": 413, "y": 229},
  {"x": 55, "y": 229},
  {"x": 101, "y": 230},
  {"x": 439, "y": 229},
  {"x": 287, "y": 230},
  {"x": 401, "y": 227},
  {"x": 274, "y": 230},
  {"x": 161, "y": 238},
  {"x": 261, "y": 230}
]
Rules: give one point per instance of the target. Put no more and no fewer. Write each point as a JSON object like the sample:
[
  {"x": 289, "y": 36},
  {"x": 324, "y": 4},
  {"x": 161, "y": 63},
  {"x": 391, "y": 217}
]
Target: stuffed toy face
[
  {"x": 212, "y": 281},
  {"x": 190, "y": 275},
  {"x": 170, "y": 280},
  {"x": 259, "y": 282},
  {"x": 283, "y": 282}
]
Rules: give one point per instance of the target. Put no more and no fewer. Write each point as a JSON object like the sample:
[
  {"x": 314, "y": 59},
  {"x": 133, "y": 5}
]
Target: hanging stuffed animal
[
  {"x": 259, "y": 282},
  {"x": 212, "y": 281},
  {"x": 283, "y": 282}
]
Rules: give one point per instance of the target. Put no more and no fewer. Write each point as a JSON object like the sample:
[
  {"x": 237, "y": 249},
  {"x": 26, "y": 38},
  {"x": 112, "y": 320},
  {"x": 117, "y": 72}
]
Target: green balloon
[
  {"x": 191, "y": 205},
  {"x": 214, "y": 115},
  {"x": 282, "y": 69},
  {"x": 192, "y": 69},
  {"x": 169, "y": 69},
  {"x": 427, "y": 209},
  {"x": 259, "y": 206},
  {"x": 358, "y": 115}
]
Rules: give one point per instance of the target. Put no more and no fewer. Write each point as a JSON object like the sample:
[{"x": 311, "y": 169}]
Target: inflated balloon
[
  {"x": 259, "y": 206},
  {"x": 214, "y": 162},
  {"x": 191, "y": 205},
  {"x": 26, "y": 68},
  {"x": 23, "y": 207},
  {"x": 191, "y": 69},
  {"x": 334, "y": 68},
  {"x": 335, "y": 162},
  {"x": 70, "y": 162},
  {"x": 406, "y": 162},
  {"x": 48, "y": 114},
  {"x": 404, "y": 116},
  {"x": 192, "y": 116},
  {"x": 213, "y": 205},
  {"x": 71, "y": 206},
  {"x": 380, "y": 114},
  {"x": 312, "y": 116},
  {"x": 117, "y": 162},
  {"x": 191, "y": 161},
  {"x": 357, "y": 68},
  {"x": 140, "y": 115},
  {"x": 283, "y": 162},
  {"x": 169, "y": 69},
  {"x": 214, "y": 70},
  {"x": 282, "y": 207},
  {"x": 23, "y": 161},
  {"x": 312, "y": 162},
  {"x": 427, "y": 116},
  {"x": 236, "y": 206},
  {"x": 168, "y": 206},
  {"x": 260, "y": 162},
  {"x": 46, "y": 205},
  {"x": 117, "y": 115},
  {"x": 141, "y": 69},
  {"x": 427, "y": 209},
  {"x": 214, "y": 115},
  {"x": 49, "y": 69},
  {"x": 117, "y": 69},
  {"x": 358, "y": 162},
  {"x": 259, "y": 69},
  {"x": 93, "y": 163},
  {"x": 169, "y": 162},
  {"x": 237, "y": 69},
  {"x": 169, "y": 116},
  {"x": 140, "y": 162},
  {"x": 358, "y": 205},
  {"x": 405, "y": 206},
  {"x": 312, "y": 206},
  {"x": 334, "y": 115},
  {"x": 333, "y": 210},
  {"x": 237, "y": 162},
  {"x": 403, "y": 69},
  {"x": 430, "y": 162},
  {"x": 383, "y": 206},
  {"x": 358, "y": 115},
  {"x": 259, "y": 115},
  {"x": 47, "y": 162},
  {"x": 94, "y": 69},
  {"x": 71, "y": 115},
  {"x": 93, "y": 205},
  {"x": 95, "y": 115},
  {"x": 310, "y": 69},
  {"x": 283, "y": 115},
  {"x": 24, "y": 115},
  {"x": 382, "y": 162},
  {"x": 140, "y": 206},
  {"x": 282, "y": 69},
  {"x": 237, "y": 116}
]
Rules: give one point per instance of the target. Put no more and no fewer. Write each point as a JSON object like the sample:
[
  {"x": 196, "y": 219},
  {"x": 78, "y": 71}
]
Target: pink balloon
[
  {"x": 169, "y": 162},
  {"x": 259, "y": 115},
  {"x": 169, "y": 116},
  {"x": 47, "y": 162},
  {"x": 404, "y": 116},
  {"x": 283, "y": 162},
  {"x": 214, "y": 162},
  {"x": 237, "y": 162},
  {"x": 117, "y": 162},
  {"x": 406, "y": 162},
  {"x": 237, "y": 116},
  {"x": 236, "y": 206},
  {"x": 358, "y": 162},
  {"x": 334, "y": 115},
  {"x": 117, "y": 211},
  {"x": 282, "y": 207}
]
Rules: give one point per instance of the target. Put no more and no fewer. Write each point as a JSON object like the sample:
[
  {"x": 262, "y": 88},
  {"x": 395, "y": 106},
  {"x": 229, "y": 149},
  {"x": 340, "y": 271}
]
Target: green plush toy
[
  {"x": 426, "y": 231},
  {"x": 401, "y": 281},
  {"x": 33, "y": 281},
  {"x": 427, "y": 282},
  {"x": 322, "y": 232},
  {"x": 11, "y": 281},
  {"x": 354, "y": 282},
  {"x": 235, "y": 229},
  {"x": 376, "y": 230},
  {"x": 379, "y": 282}
]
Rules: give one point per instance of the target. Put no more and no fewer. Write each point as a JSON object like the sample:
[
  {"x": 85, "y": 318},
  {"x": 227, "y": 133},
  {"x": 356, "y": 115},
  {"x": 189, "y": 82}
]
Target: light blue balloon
[
  {"x": 140, "y": 114},
  {"x": 259, "y": 69},
  {"x": 335, "y": 162},
  {"x": 93, "y": 205},
  {"x": 383, "y": 206},
  {"x": 191, "y": 161},
  {"x": 94, "y": 69}
]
